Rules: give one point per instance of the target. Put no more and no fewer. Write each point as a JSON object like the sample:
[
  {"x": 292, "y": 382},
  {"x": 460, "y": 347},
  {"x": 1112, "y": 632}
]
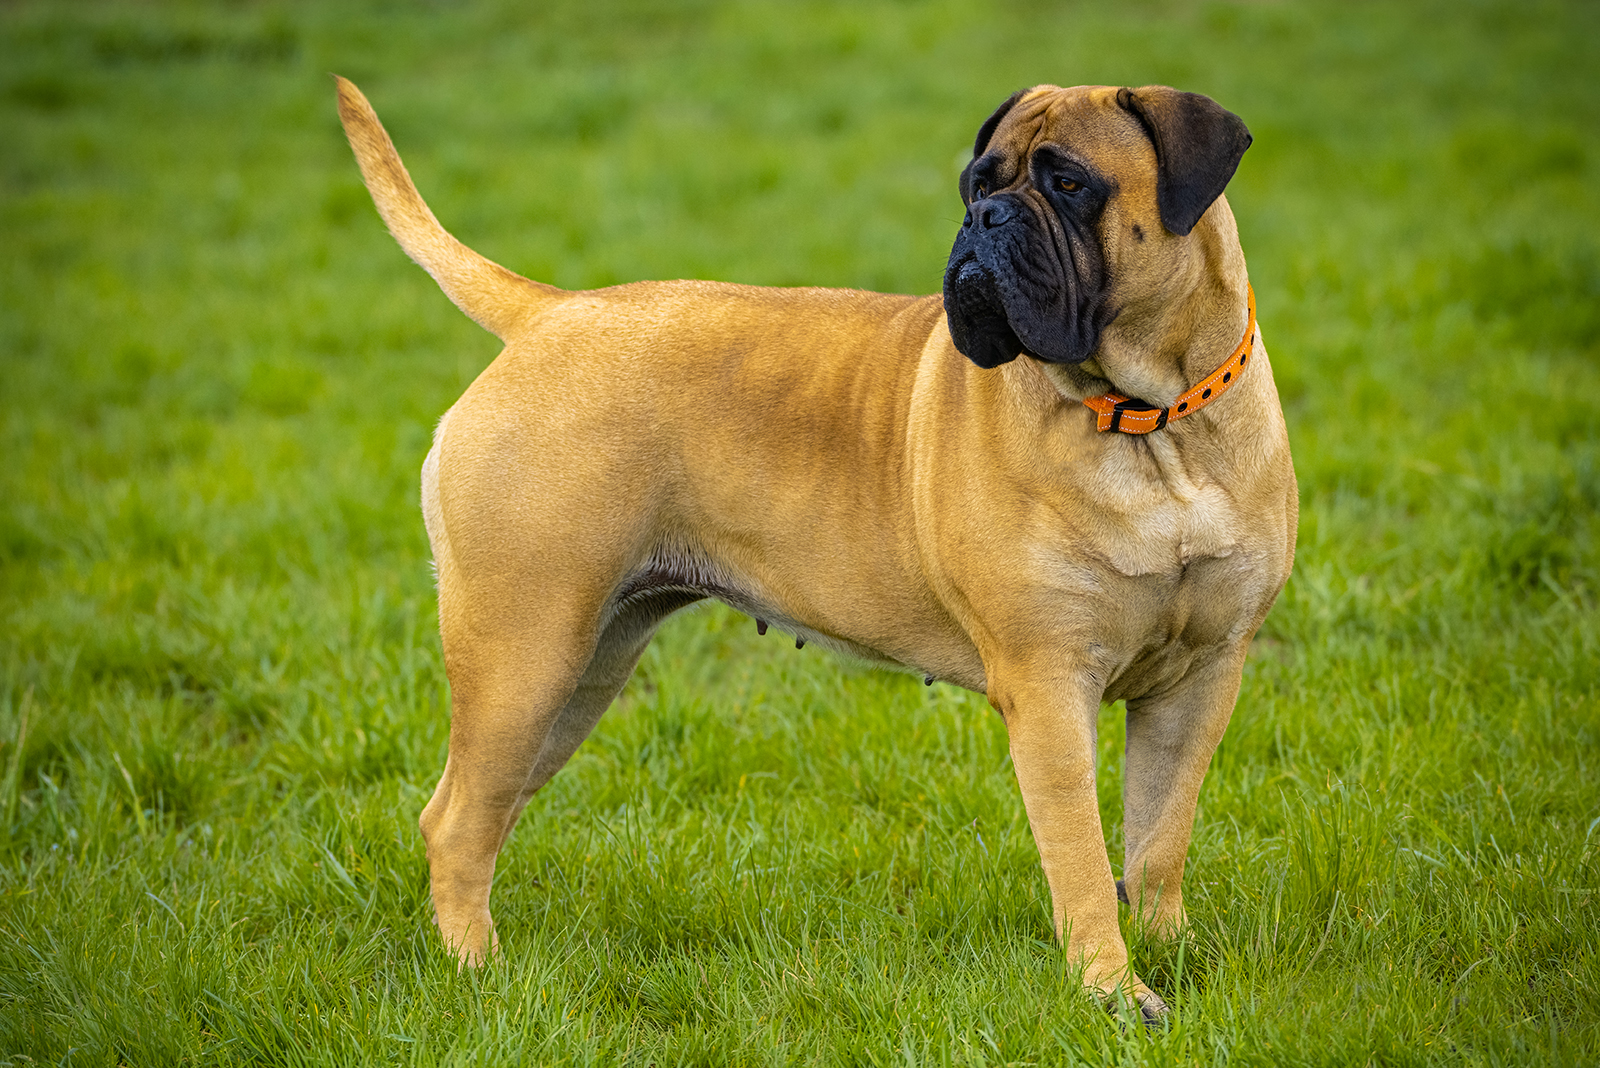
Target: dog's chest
[
  {"x": 1162, "y": 529},
  {"x": 1177, "y": 559},
  {"x": 1194, "y": 591}
]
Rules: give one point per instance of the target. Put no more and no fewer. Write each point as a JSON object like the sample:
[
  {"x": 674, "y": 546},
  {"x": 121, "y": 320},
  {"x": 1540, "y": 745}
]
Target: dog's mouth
[{"x": 977, "y": 316}]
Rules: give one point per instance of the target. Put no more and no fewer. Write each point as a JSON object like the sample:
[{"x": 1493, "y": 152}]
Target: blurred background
[{"x": 218, "y": 378}]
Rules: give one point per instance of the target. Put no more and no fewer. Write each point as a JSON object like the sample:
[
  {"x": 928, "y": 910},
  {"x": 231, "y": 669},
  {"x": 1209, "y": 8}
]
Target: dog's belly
[{"x": 674, "y": 577}]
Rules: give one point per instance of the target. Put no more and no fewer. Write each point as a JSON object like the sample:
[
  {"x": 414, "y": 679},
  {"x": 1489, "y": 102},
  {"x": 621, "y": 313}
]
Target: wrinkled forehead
[{"x": 1085, "y": 120}]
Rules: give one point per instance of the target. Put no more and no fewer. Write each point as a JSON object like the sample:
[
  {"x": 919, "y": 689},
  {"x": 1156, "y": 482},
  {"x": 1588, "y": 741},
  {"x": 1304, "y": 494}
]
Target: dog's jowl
[{"x": 1064, "y": 481}]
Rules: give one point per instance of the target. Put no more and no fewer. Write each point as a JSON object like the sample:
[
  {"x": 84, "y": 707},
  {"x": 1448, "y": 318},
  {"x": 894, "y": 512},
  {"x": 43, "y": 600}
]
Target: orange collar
[{"x": 1133, "y": 416}]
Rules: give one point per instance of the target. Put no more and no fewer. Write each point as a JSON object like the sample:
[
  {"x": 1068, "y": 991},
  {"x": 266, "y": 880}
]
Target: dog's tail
[{"x": 498, "y": 300}]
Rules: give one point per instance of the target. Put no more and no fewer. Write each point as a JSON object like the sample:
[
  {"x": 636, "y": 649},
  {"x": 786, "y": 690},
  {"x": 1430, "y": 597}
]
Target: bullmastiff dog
[{"x": 1063, "y": 481}]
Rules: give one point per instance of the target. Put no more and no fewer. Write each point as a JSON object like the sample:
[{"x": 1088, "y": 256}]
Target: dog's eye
[
  {"x": 980, "y": 191},
  {"x": 1067, "y": 185}
]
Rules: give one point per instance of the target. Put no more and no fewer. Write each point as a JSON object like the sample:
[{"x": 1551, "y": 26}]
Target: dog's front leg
[
  {"x": 1052, "y": 730},
  {"x": 1170, "y": 741}
]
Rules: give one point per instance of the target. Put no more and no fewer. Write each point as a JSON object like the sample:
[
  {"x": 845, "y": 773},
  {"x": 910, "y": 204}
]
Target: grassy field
[{"x": 221, "y": 698}]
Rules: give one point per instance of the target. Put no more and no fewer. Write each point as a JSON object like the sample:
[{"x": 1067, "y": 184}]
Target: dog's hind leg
[
  {"x": 616, "y": 655},
  {"x": 508, "y": 687},
  {"x": 519, "y": 710},
  {"x": 528, "y": 557}
]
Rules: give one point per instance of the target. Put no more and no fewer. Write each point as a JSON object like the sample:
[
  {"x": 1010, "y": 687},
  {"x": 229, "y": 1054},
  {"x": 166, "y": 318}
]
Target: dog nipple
[
  {"x": 927, "y": 680},
  {"x": 761, "y": 626},
  {"x": 799, "y": 643}
]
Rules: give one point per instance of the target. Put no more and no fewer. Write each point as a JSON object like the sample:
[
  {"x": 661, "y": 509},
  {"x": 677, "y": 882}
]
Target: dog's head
[{"x": 1075, "y": 198}]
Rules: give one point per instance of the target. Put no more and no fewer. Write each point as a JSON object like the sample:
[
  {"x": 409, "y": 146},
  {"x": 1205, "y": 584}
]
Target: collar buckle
[{"x": 1141, "y": 414}]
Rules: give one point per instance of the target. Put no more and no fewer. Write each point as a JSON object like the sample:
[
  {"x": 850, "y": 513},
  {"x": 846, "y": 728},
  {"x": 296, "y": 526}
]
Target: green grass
[{"x": 221, "y": 698}]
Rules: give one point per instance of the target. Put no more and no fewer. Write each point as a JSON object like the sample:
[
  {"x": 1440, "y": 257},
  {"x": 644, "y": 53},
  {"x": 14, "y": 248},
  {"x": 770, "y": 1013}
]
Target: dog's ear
[
  {"x": 985, "y": 132},
  {"x": 992, "y": 123},
  {"x": 1198, "y": 146}
]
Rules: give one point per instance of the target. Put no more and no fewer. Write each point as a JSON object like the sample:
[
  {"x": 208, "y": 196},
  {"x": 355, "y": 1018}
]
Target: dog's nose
[{"x": 988, "y": 214}]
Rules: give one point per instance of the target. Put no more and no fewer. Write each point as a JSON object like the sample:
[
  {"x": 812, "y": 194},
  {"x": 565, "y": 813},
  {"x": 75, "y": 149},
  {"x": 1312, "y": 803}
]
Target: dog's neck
[{"x": 1156, "y": 349}]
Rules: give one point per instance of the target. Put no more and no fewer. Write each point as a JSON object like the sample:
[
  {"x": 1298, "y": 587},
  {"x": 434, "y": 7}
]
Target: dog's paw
[
  {"x": 1145, "y": 1007},
  {"x": 1153, "y": 1011},
  {"x": 473, "y": 943}
]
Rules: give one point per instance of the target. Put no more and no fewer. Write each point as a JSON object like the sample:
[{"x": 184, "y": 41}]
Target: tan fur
[{"x": 825, "y": 459}]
